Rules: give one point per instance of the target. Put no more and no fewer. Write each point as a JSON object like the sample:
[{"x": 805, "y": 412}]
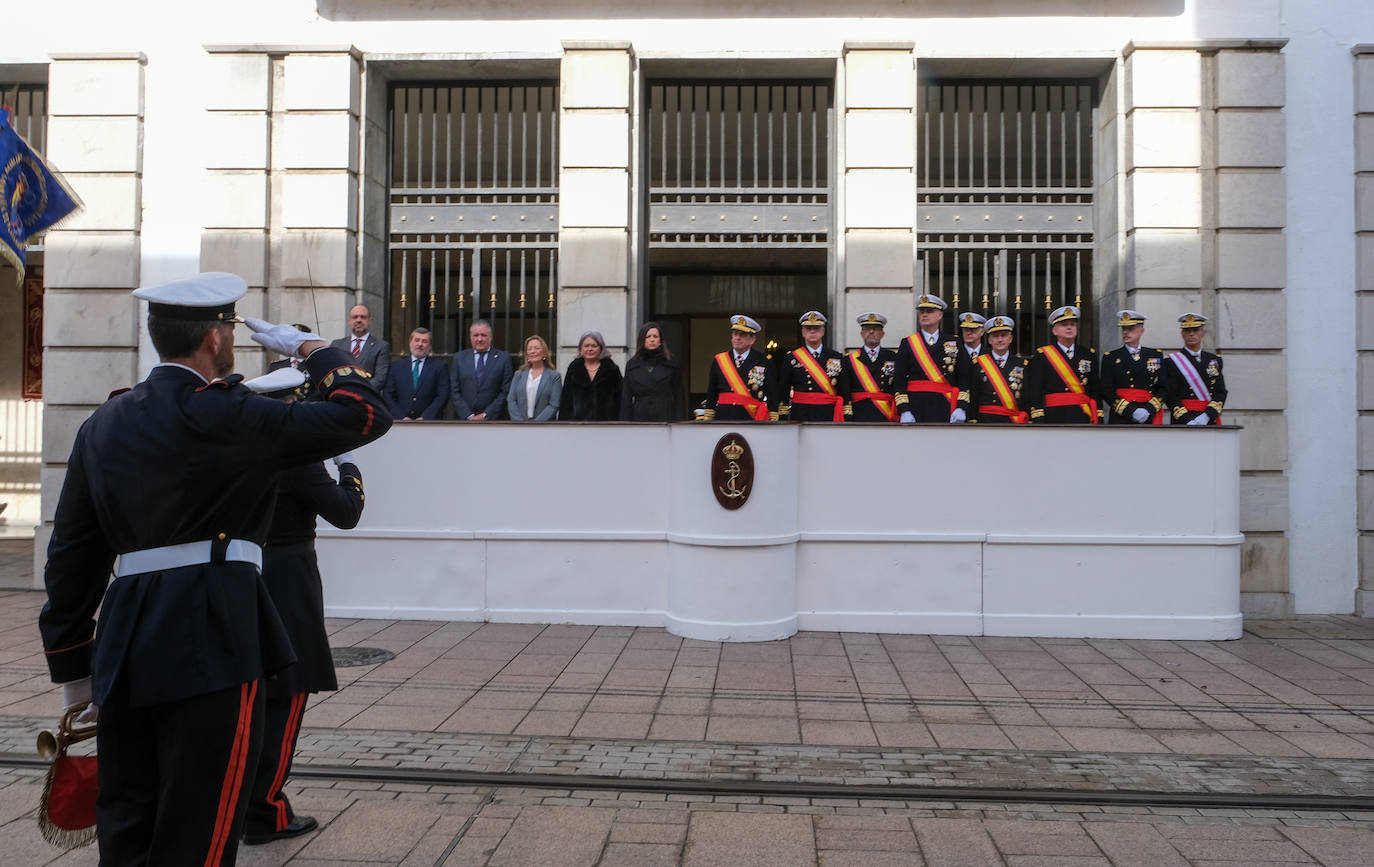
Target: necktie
[
  {"x": 816, "y": 355},
  {"x": 357, "y": 347},
  {"x": 739, "y": 359},
  {"x": 415, "y": 373},
  {"x": 930, "y": 341},
  {"x": 873, "y": 356},
  {"x": 481, "y": 366}
]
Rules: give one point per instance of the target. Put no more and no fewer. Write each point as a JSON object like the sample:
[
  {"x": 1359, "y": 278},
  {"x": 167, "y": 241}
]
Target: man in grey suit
[
  {"x": 480, "y": 377},
  {"x": 373, "y": 355}
]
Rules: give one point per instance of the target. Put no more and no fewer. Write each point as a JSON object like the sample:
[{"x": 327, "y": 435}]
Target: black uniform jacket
[
  {"x": 587, "y": 399},
  {"x": 796, "y": 378},
  {"x": 978, "y": 391},
  {"x": 759, "y": 378},
  {"x": 883, "y": 369},
  {"x": 175, "y": 460},
  {"x": 926, "y": 405},
  {"x": 1177, "y": 389},
  {"x": 963, "y": 371},
  {"x": 1145, "y": 373},
  {"x": 1042, "y": 380},
  {"x": 292, "y": 572},
  {"x": 652, "y": 389}
]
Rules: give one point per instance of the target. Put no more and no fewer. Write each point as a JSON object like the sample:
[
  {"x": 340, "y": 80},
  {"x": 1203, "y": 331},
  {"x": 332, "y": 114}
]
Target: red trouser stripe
[
  {"x": 288, "y": 740},
  {"x": 233, "y": 775}
]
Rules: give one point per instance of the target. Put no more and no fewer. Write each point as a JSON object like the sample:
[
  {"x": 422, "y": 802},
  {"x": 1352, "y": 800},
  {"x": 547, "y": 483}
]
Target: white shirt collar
[
  {"x": 1000, "y": 359},
  {"x": 414, "y": 359},
  {"x": 930, "y": 336},
  {"x": 183, "y": 367},
  {"x": 973, "y": 350},
  {"x": 872, "y": 353},
  {"x": 363, "y": 338},
  {"x": 1065, "y": 349}
]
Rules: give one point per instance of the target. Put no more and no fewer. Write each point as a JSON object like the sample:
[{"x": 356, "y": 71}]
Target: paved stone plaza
[{"x": 1288, "y": 709}]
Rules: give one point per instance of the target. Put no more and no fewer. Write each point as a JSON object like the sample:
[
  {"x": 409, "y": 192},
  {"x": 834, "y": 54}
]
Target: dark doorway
[{"x": 694, "y": 309}]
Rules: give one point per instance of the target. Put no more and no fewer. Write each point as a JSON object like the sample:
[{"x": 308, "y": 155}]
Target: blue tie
[
  {"x": 481, "y": 366},
  {"x": 415, "y": 373}
]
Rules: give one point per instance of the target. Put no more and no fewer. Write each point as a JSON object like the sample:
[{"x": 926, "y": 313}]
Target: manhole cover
[{"x": 351, "y": 657}]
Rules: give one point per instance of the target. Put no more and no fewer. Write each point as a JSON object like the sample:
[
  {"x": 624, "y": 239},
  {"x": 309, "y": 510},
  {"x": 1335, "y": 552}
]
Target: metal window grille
[
  {"x": 739, "y": 163},
  {"x": 474, "y": 211},
  {"x": 1005, "y": 198}
]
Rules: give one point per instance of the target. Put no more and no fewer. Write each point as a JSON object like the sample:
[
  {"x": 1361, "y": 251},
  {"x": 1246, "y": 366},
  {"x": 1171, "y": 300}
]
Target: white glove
[
  {"x": 345, "y": 458},
  {"x": 958, "y": 416},
  {"x": 1201, "y": 419},
  {"x": 76, "y": 692},
  {"x": 283, "y": 339},
  {"x": 1141, "y": 415},
  {"x": 908, "y": 418},
  {"x": 88, "y": 717}
]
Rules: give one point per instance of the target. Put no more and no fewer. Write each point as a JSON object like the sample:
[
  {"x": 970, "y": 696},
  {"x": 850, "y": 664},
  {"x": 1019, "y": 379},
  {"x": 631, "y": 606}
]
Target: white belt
[{"x": 185, "y": 554}]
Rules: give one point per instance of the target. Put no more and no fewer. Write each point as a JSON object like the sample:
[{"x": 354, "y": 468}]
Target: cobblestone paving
[
  {"x": 1288, "y": 709},
  {"x": 445, "y": 825}
]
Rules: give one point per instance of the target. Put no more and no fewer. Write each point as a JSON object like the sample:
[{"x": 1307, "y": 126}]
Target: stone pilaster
[
  {"x": 1162, "y": 113},
  {"x": 283, "y": 184},
  {"x": 1245, "y": 156},
  {"x": 238, "y": 102},
  {"x": 90, "y": 339},
  {"x": 594, "y": 200},
  {"x": 876, "y": 231},
  {"x": 315, "y": 165},
  {"x": 1205, "y": 213},
  {"x": 1364, "y": 300}
]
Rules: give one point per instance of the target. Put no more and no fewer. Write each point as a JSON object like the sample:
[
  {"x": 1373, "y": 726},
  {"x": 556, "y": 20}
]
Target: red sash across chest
[
  {"x": 1075, "y": 396},
  {"x": 885, "y": 402},
  {"x": 1007, "y": 407},
  {"x": 739, "y": 394},
  {"x": 935, "y": 381},
  {"x": 828, "y": 397}
]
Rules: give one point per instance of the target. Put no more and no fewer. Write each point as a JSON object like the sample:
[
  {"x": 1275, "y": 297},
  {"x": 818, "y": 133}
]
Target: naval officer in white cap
[
  {"x": 170, "y": 487},
  {"x": 742, "y": 385}
]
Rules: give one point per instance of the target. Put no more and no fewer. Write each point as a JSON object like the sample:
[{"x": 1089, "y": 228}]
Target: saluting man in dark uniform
[
  {"x": 1195, "y": 386},
  {"x": 811, "y": 377},
  {"x": 869, "y": 373},
  {"x": 1133, "y": 376},
  {"x": 971, "y": 328},
  {"x": 996, "y": 379},
  {"x": 177, "y": 479},
  {"x": 291, "y": 572},
  {"x": 741, "y": 385},
  {"x": 926, "y": 386}
]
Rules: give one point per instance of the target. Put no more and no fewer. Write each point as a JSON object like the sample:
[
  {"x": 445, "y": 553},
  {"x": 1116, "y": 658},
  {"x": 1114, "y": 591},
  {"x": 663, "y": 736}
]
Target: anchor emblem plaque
[{"x": 732, "y": 471}]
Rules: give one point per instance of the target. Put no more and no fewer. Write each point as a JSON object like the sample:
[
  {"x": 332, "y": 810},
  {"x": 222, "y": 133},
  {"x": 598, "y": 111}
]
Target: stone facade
[{"x": 1221, "y": 183}]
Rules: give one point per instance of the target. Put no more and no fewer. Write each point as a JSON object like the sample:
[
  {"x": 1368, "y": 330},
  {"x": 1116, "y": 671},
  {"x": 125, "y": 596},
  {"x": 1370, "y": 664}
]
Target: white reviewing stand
[{"x": 1038, "y": 531}]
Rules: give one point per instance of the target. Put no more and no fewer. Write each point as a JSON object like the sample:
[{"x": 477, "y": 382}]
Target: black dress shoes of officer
[{"x": 298, "y": 826}]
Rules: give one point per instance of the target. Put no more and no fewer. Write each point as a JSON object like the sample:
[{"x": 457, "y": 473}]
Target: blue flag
[{"x": 33, "y": 197}]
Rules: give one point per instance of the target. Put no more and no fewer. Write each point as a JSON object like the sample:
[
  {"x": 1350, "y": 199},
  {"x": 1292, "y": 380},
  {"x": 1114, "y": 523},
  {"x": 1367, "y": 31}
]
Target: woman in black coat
[
  {"x": 653, "y": 381},
  {"x": 591, "y": 388}
]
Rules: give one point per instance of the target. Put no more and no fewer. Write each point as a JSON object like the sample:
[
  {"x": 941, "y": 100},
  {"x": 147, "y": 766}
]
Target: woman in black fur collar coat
[{"x": 591, "y": 388}]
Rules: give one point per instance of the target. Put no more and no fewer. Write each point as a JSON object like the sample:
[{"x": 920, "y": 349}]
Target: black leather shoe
[{"x": 299, "y": 825}]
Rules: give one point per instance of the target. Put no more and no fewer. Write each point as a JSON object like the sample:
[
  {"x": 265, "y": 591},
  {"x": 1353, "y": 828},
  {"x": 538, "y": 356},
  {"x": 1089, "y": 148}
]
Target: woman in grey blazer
[{"x": 536, "y": 388}]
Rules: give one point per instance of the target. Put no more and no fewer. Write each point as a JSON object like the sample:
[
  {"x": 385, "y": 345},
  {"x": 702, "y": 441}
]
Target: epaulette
[
  {"x": 117, "y": 392},
  {"x": 228, "y": 382},
  {"x": 343, "y": 372}
]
